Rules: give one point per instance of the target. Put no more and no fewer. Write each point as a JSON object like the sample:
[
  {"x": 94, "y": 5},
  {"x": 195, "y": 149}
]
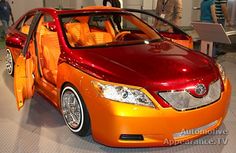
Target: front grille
[{"x": 183, "y": 100}]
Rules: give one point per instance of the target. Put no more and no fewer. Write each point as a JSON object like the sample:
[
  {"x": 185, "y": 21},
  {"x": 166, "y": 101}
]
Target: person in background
[
  {"x": 114, "y": 3},
  {"x": 222, "y": 12},
  {"x": 5, "y": 13},
  {"x": 208, "y": 11},
  {"x": 170, "y": 10},
  {"x": 208, "y": 14},
  {"x": 222, "y": 16}
]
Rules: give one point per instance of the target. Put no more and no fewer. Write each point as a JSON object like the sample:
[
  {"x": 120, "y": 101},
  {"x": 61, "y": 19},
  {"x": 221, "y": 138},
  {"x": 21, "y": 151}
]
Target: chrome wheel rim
[
  {"x": 9, "y": 62},
  {"x": 72, "y": 109}
]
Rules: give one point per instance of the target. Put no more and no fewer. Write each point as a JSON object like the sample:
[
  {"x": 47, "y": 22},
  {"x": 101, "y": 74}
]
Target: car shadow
[
  {"x": 44, "y": 123},
  {"x": 9, "y": 81}
]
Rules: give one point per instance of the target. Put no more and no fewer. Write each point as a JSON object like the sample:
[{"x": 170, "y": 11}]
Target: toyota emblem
[{"x": 200, "y": 89}]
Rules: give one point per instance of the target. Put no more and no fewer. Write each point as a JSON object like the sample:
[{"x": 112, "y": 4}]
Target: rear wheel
[
  {"x": 9, "y": 63},
  {"x": 74, "y": 111}
]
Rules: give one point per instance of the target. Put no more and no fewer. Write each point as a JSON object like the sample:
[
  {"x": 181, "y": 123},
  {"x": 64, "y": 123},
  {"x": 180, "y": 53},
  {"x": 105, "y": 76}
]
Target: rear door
[
  {"x": 175, "y": 34},
  {"x": 17, "y": 35},
  {"x": 25, "y": 69}
]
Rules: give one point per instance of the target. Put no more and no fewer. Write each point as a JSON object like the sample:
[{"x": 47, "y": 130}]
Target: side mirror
[{"x": 15, "y": 41}]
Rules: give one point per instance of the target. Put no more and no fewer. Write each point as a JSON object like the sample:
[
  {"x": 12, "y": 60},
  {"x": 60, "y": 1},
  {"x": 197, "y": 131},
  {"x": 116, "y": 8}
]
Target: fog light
[{"x": 131, "y": 137}]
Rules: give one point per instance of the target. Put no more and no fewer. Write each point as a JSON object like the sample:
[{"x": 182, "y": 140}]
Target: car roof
[
  {"x": 85, "y": 9},
  {"x": 92, "y": 9}
]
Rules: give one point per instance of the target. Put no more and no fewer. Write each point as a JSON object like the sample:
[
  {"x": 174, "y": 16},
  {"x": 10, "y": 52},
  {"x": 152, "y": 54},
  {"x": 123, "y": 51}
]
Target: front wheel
[
  {"x": 9, "y": 63},
  {"x": 74, "y": 111}
]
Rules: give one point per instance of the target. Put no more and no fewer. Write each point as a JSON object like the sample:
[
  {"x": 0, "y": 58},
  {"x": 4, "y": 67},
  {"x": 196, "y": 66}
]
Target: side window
[
  {"x": 158, "y": 24},
  {"x": 48, "y": 22},
  {"x": 48, "y": 18},
  {"x": 24, "y": 25},
  {"x": 166, "y": 29},
  {"x": 127, "y": 25}
]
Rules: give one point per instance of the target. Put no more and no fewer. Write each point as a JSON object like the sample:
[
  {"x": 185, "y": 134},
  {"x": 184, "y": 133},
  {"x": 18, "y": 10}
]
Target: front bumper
[{"x": 158, "y": 126}]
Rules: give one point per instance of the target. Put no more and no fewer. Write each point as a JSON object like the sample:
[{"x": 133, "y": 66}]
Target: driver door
[
  {"x": 175, "y": 34},
  {"x": 25, "y": 69}
]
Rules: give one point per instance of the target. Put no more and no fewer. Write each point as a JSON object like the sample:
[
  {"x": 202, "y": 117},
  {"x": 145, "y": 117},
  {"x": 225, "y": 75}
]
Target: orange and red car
[{"x": 113, "y": 75}]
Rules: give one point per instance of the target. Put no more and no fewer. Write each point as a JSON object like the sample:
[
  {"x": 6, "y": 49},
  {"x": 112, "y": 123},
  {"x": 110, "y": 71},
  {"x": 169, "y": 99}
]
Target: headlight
[
  {"x": 123, "y": 94},
  {"x": 222, "y": 72}
]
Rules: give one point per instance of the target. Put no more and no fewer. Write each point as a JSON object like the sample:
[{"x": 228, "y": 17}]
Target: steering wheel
[{"x": 120, "y": 35}]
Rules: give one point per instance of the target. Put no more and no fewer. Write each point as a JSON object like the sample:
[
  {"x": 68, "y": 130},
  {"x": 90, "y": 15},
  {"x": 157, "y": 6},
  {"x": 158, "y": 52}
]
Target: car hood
[{"x": 160, "y": 66}]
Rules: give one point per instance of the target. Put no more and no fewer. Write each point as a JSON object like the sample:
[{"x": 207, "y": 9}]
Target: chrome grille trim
[
  {"x": 201, "y": 130},
  {"x": 183, "y": 100}
]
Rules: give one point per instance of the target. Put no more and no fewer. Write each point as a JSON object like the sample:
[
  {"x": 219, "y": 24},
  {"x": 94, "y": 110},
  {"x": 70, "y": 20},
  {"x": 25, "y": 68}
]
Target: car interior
[
  {"x": 97, "y": 30},
  {"x": 48, "y": 49},
  {"x": 81, "y": 35}
]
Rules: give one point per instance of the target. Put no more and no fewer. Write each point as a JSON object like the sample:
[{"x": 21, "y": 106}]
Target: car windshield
[{"x": 106, "y": 29}]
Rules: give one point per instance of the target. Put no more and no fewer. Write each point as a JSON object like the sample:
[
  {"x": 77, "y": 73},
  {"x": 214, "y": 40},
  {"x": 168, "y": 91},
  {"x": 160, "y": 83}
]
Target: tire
[
  {"x": 9, "y": 63},
  {"x": 74, "y": 111}
]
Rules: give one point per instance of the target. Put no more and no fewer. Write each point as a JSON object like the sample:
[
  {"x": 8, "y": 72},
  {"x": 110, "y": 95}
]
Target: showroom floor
[{"x": 38, "y": 127}]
